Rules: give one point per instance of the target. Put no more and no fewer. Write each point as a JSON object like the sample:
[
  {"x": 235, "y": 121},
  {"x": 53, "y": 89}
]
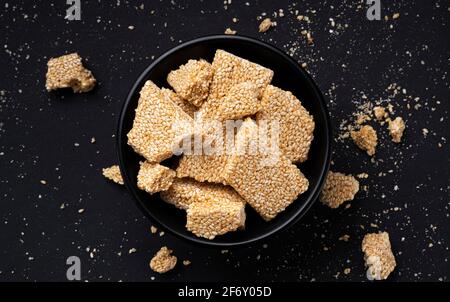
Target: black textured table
[{"x": 47, "y": 136}]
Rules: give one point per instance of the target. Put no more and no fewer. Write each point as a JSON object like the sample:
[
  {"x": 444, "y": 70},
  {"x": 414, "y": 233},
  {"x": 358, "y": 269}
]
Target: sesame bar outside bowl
[{"x": 289, "y": 76}]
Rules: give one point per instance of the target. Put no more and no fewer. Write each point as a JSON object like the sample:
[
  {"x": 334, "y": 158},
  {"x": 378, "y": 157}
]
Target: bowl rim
[{"x": 313, "y": 195}]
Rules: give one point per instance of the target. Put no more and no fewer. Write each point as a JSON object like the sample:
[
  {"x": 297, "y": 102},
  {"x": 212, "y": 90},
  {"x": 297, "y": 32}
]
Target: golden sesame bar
[
  {"x": 365, "y": 138},
  {"x": 396, "y": 128},
  {"x": 296, "y": 125},
  {"x": 240, "y": 101},
  {"x": 113, "y": 173},
  {"x": 380, "y": 260},
  {"x": 230, "y": 70},
  {"x": 268, "y": 184},
  {"x": 185, "y": 105},
  {"x": 163, "y": 261},
  {"x": 191, "y": 81},
  {"x": 68, "y": 71},
  {"x": 153, "y": 134},
  {"x": 209, "y": 219},
  {"x": 206, "y": 167},
  {"x": 338, "y": 188},
  {"x": 154, "y": 178},
  {"x": 185, "y": 191}
]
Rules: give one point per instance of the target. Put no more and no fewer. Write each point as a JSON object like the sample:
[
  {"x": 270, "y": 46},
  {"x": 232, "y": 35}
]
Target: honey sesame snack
[
  {"x": 163, "y": 261},
  {"x": 68, "y": 71},
  {"x": 113, "y": 173},
  {"x": 380, "y": 260},
  {"x": 154, "y": 178}
]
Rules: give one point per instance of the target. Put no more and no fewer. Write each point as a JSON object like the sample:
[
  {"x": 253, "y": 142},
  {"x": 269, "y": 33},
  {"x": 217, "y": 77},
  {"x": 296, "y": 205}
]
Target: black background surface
[{"x": 355, "y": 62}]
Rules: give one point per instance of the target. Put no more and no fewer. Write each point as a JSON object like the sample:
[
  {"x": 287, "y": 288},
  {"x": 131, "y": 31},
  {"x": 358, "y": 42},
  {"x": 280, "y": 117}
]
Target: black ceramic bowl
[{"x": 288, "y": 76}]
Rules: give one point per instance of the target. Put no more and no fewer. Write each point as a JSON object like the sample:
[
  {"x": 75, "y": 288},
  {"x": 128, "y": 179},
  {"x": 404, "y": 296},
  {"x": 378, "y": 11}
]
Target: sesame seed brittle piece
[
  {"x": 380, "y": 260},
  {"x": 163, "y": 261},
  {"x": 154, "y": 178},
  {"x": 113, "y": 173},
  {"x": 185, "y": 191},
  {"x": 338, "y": 188},
  {"x": 191, "y": 81},
  {"x": 68, "y": 71},
  {"x": 230, "y": 70},
  {"x": 159, "y": 125},
  {"x": 296, "y": 125},
  {"x": 365, "y": 138},
  {"x": 267, "y": 182}
]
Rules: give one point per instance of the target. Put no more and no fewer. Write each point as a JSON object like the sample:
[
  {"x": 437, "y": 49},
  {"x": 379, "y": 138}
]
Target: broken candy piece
[
  {"x": 338, "y": 188},
  {"x": 365, "y": 139},
  {"x": 296, "y": 125},
  {"x": 184, "y": 191},
  {"x": 380, "y": 260},
  {"x": 214, "y": 217},
  {"x": 154, "y": 178},
  {"x": 191, "y": 81},
  {"x": 113, "y": 173},
  {"x": 230, "y": 70},
  {"x": 159, "y": 125},
  {"x": 396, "y": 128},
  {"x": 163, "y": 261},
  {"x": 68, "y": 71},
  {"x": 267, "y": 182}
]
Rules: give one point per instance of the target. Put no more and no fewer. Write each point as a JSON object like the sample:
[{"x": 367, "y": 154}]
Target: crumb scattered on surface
[
  {"x": 153, "y": 229},
  {"x": 265, "y": 25},
  {"x": 229, "y": 31},
  {"x": 338, "y": 188},
  {"x": 163, "y": 261},
  {"x": 113, "y": 173}
]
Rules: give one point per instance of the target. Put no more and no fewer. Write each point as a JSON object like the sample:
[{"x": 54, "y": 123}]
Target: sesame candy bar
[
  {"x": 380, "y": 260},
  {"x": 154, "y": 178},
  {"x": 159, "y": 125},
  {"x": 214, "y": 217},
  {"x": 296, "y": 125},
  {"x": 191, "y": 81},
  {"x": 113, "y": 173},
  {"x": 240, "y": 101},
  {"x": 365, "y": 138},
  {"x": 68, "y": 71},
  {"x": 185, "y": 105},
  {"x": 163, "y": 261},
  {"x": 267, "y": 184},
  {"x": 185, "y": 191},
  {"x": 230, "y": 70},
  {"x": 338, "y": 188}
]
